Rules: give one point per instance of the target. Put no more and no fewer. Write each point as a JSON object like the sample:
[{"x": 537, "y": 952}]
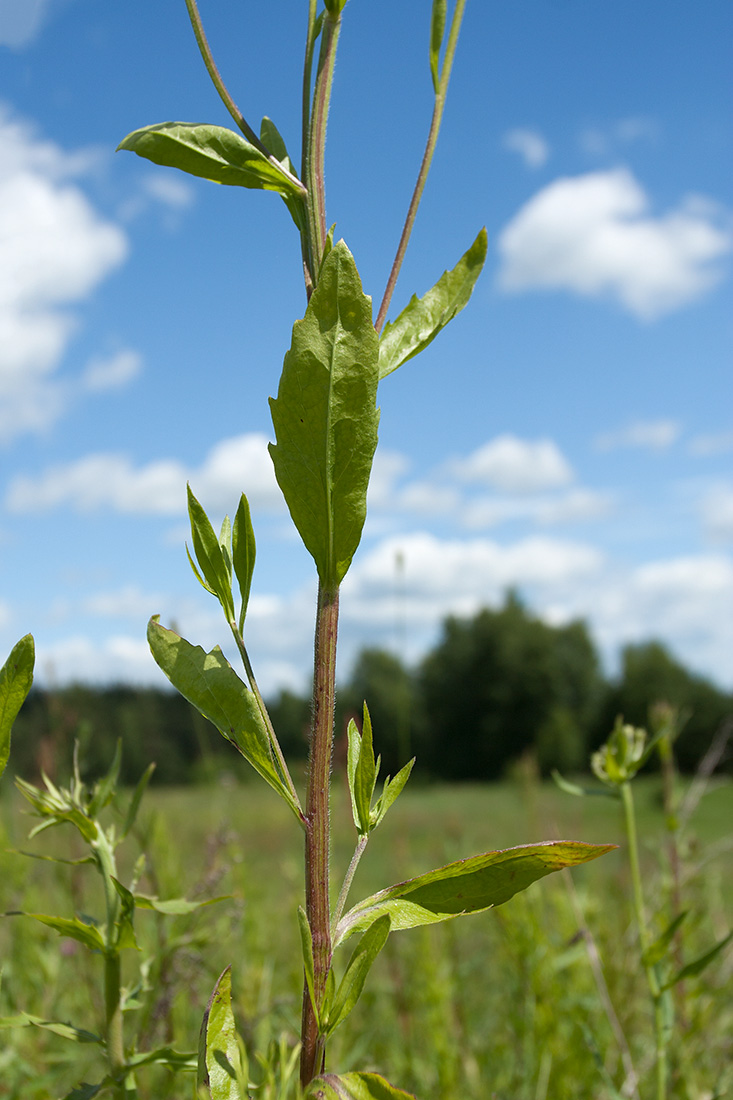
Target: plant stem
[
  {"x": 315, "y": 179},
  {"x": 317, "y": 829},
  {"x": 660, "y": 1037},
  {"x": 440, "y": 95},
  {"x": 231, "y": 106},
  {"x": 113, "y": 1014},
  {"x": 348, "y": 879},
  {"x": 305, "y": 237}
]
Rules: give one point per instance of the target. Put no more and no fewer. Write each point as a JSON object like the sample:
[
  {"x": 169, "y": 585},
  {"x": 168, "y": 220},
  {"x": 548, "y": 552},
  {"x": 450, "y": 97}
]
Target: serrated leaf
[
  {"x": 16, "y": 678},
  {"x": 210, "y": 556},
  {"x": 210, "y": 152},
  {"x": 244, "y": 551},
  {"x": 210, "y": 683},
  {"x": 691, "y": 970},
  {"x": 391, "y": 791},
  {"x": 355, "y": 975},
  {"x": 325, "y": 417},
  {"x": 219, "y": 1060},
  {"x": 467, "y": 886},
  {"x": 354, "y": 1086},
  {"x": 422, "y": 318},
  {"x": 437, "y": 30}
]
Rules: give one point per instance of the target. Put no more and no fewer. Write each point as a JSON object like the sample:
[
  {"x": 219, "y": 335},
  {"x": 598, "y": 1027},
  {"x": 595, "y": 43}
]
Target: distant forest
[{"x": 496, "y": 687}]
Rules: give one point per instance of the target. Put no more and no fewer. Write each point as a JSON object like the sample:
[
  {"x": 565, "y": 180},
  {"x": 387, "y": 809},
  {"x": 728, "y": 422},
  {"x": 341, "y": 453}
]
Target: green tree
[{"x": 503, "y": 682}]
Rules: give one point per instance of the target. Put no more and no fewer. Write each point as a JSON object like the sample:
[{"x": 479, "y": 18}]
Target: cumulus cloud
[
  {"x": 54, "y": 250},
  {"x": 574, "y": 506},
  {"x": 531, "y": 146},
  {"x": 112, "y": 481},
  {"x": 653, "y": 435},
  {"x": 595, "y": 235},
  {"x": 515, "y": 465},
  {"x": 112, "y": 373}
]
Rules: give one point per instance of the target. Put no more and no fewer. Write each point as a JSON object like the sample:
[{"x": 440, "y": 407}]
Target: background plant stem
[{"x": 317, "y": 827}]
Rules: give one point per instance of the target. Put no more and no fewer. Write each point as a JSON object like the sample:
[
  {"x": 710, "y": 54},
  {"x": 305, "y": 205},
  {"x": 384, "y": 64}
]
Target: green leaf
[
  {"x": 467, "y": 886},
  {"x": 105, "y": 788},
  {"x": 164, "y": 1056},
  {"x": 132, "y": 809},
  {"x": 210, "y": 683},
  {"x": 691, "y": 970},
  {"x": 219, "y": 1060},
  {"x": 244, "y": 551},
  {"x": 363, "y": 773},
  {"x": 124, "y": 924},
  {"x": 574, "y": 788},
  {"x": 391, "y": 791},
  {"x": 422, "y": 318},
  {"x": 174, "y": 907},
  {"x": 325, "y": 417},
  {"x": 87, "y": 1092},
  {"x": 211, "y": 152},
  {"x": 354, "y": 1086},
  {"x": 657, "y": 950},
  {"x": 271, "y": 137},
  {"x": 437, "y": 30},
  {"x": 66, "y": 1031},
  {"x": 16, "y": 677},
  {"x": 215, "y": 566},
  {"x": 306, "y": 943},
  {"x": 360, "y": 963},
  {"x": 72, "y": 928}
]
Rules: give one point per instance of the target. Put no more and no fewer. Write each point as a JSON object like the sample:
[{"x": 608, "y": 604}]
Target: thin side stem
[
  {"x": 426, "y": 162},
  {"x": 231, "y": 106},
  {"x": 317, "y": 829},
  {"x": 315, "y": 178},
  {"x": 348, "y": 879},
  {"x": 305, "y": 237},
  {"x": 660, "y": 1037},
  {"x": 275, "y": 744}
]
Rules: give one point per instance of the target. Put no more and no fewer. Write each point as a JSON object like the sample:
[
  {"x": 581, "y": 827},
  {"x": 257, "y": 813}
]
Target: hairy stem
[
  {"x": 315, "y": 178},
  {"x": 306, "y": 243},
  {"x": 317, "y": 828},
  {"x": 660, "y": 1037},
  {"x": 422, "y": 176},
  {"x": 348, "y": 879}
]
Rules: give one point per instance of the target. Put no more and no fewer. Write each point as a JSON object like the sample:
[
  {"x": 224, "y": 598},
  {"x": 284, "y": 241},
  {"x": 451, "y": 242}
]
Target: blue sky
[{"x": 570, "y": 434}]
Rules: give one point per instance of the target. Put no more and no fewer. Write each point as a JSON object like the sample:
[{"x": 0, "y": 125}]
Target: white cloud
[
  {"x": 531, "y": 146},
  {"x": 515, "y": 465},
  {"x": 711, "y": 444},
  {"x": 717, "y": 512},
  {"x": 594, "y": 235},
  {"x": 654, "y": 435},
  {"x": 575, "y": 506},
  {"x": 54, "y": 250},
  {"x": 159, "y": 488},
  {"x": 113, "y": 372},
  {"x": 21, "y": 21},
  {"x": 601, "y": 141},
  {"x": 169, "y": 189}
]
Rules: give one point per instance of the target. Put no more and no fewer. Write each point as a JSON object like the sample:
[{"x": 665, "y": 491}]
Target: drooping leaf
[
  {"x": 213, "y": 563},
  {"x": 210, "y": 683},
  {"x": 467, "y": 886},
  {"x": 360, "y": 963},
  {"x": 422, "y": 318},
  {"x": 219, "y": 1060},
  {"x": 354, "y": 1086},
  {"x": 325, "y": 417},
  {"x": 437, "y": 30},
  {"x": 66, "y": 1031},
  {"x": 244, "y": 551},
  {"x": 692, "y": 969},
  {"x": 16, "y": 677},
  {"x": 70, "y": 927},
  {"x": 210, "y": 152}
]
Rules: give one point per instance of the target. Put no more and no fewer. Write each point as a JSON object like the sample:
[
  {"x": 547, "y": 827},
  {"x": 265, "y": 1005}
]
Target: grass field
[{"x": 503, "y": 1004}]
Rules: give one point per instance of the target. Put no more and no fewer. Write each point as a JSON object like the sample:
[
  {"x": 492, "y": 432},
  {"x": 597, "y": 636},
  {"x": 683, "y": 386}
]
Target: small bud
[{"x": 621, "y": 757}]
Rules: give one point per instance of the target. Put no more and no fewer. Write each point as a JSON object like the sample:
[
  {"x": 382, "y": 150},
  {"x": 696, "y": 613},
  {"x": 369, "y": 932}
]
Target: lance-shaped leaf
[
  {"x": 361, "y": 769},
  {"x": 16, "y": 677},
  {"x": 210, "y": 683},
  {"x": 244, "y": 552},
  {"x": 696, "y": 967},
  {"x": 422, "y": 318},
  {"x": 325, "y": 417},
  {"x": 437, "y": 30},
  {"x": 71, "y": 928},
  {"x": 391, "y": 791},
  {"x": 360, "y": 963},
  {"x": 212, "y": 554},
  {"x": 213, "y": 153},
  {"x": 219, "y": 1061},
  {"x": 354, "y": 1086},
  {"x": 174, "y": 907},
  {"x": 467, "y": 886}
]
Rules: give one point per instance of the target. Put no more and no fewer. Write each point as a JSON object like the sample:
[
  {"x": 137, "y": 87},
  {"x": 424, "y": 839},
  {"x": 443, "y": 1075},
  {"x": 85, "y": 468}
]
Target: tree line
[{"x": 496, "y": 686}]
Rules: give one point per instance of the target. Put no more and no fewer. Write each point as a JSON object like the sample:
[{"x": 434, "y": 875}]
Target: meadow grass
[{"x": 504, "y": 1004}]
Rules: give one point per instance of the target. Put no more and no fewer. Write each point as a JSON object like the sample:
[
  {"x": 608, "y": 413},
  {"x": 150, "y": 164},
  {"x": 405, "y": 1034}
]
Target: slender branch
[
  {"x": 317, "y": 835},
  {"x": 422, "y": 176},
  {"x": 317, "y": 138},
  {"x": 231, "y": 106},
  {"x": 305, "y": 236},
  {"x": 348, "y": 879},
  {"x": 274, "y": 743}
]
